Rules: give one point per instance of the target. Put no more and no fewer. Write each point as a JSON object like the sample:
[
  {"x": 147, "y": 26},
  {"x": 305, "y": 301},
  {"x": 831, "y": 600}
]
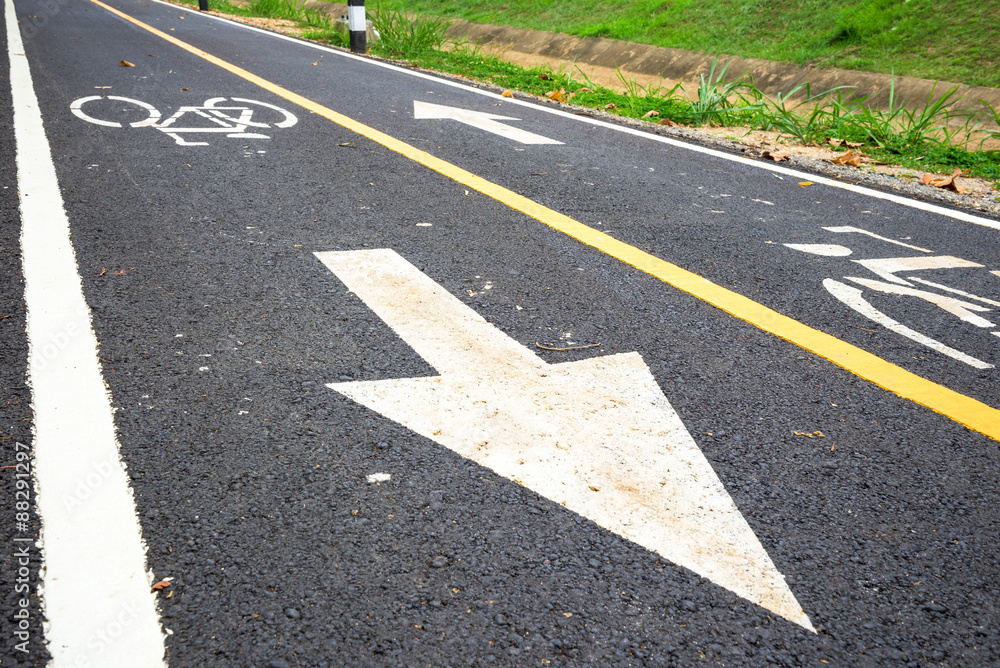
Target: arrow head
[{"x": 600, "y": 438}]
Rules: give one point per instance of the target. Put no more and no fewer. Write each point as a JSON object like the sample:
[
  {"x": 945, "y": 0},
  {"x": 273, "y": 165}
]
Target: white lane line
[
  {"x": 833, "y": 183},
  {"x": 596, "y": 436},
  {"x": 95, "y": 590}
]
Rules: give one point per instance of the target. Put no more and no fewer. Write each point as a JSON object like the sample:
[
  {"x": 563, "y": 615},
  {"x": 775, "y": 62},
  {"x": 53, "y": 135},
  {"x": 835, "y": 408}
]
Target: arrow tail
[{"x": 449, "y": 335}]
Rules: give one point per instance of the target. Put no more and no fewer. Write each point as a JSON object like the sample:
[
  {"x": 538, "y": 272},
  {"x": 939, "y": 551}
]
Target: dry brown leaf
[
  {"x": 104, "y": 270},
  {"x": 850, "y": 158},
  {"x": 854, "y": 144},
  {"x": 584, "y": 90},
  {"x": 507, "y": 93},
  {"x": 316, "y": 63},
  {"x": 557, "y": 95},
  {"x": 668, "y": 122},
  {"x": 948, "y": 182},
  {"x": 777, "y": 156},
  {"x": 814, "y": 434},
  {"x": 185, "y": 89},
  {"x": 162, "y": 584},
  {"x": 609, "y": 106},
  {"x": 125, "y": 63},
  {"x": 834, "y": 142},
  {"x": 650, "y": 114},
  {"x": 544, "y": 77}
]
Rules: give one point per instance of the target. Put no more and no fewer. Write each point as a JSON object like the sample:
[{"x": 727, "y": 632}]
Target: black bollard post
[
  {"x": 202, "y": 5},
  {"x": 357, "y": 25}
]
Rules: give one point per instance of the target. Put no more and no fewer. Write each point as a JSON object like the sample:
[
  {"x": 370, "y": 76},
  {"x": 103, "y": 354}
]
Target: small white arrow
[
  {"x": 479, "y": 119},
  {"x": 596, "y": 436}
]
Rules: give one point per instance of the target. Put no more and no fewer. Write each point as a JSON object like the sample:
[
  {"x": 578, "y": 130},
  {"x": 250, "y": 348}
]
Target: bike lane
[{"x": 214, "y": 243}]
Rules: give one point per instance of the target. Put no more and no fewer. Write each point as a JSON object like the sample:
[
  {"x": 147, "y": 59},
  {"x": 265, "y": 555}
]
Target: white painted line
[
  {"x": 888, "y": 267},
  {"x": 852, "y": 298},
  {"x": 850, "y": 228},
  {"x": 826, "y": 250},
  {"x": 958, "y": 308},
  {"x": 967, "y": 295},
  {"x": 95, "y": 590},
  {"x": 596, "y": 436},
  {"x": 479, "y": 119},
  {"x": 822, "y": 180}
]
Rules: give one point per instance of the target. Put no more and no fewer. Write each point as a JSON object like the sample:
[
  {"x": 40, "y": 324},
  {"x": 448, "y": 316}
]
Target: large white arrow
[
  {"x": 596, "y": 436},
  {"x": 479, "y": 119}
]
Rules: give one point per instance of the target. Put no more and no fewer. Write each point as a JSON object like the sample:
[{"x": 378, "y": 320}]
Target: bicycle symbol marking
[
  {"x": 959, "y": 303},
  {"x": 217, "y": 114}
]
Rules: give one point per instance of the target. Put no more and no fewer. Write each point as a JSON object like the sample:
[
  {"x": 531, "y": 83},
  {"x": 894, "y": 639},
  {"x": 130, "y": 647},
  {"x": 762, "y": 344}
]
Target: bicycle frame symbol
[{"x": 230, "y": 119}]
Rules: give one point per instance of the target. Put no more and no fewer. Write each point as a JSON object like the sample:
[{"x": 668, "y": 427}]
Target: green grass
[{"x": 943, "y": 40}]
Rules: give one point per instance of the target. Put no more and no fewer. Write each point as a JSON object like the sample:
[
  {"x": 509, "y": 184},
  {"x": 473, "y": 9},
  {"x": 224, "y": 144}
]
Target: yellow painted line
[{"x": 964, "y": 410}]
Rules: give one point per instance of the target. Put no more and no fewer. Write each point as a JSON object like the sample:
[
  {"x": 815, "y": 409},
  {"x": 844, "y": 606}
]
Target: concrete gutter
[{"x": 600, "y": 59}]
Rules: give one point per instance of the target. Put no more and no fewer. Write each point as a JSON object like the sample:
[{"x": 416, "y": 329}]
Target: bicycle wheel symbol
[{"x": 218, "y": 115}]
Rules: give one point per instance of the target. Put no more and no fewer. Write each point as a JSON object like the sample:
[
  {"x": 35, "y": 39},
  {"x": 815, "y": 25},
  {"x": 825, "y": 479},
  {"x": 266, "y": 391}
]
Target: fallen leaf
[
  {"x": 507, "y": 93},
  {"x": 185, "y": 89},
  {"x": 668, "y": 122},
  {"x": 854, "y": 144},
  {"x": 584, "y": 90},
  {"x": 316, "y": 63},
  {"x": 777, "y": 156},
  {"x": 805, "y": 184},
  {"x": 348, "y": 144},
  {"x": 557, "y": 95},
  {"x": 102, "y": 87},
  {"x": 104, "y": 270},
  {"x": 814, "y": 434},
  {"x": 609, "y": 105},
  {"x": 595, "y": 489},
  {"x": 125, "y": 63},
  {"x": 544, "y": 77},
  {"x": 948, "y": 182},
  {"x": 850, "y": 158},
  {"x": 162, "y": 584},
  {"x": 650, "y": 114},
  {"x": 834, "y": 142}
]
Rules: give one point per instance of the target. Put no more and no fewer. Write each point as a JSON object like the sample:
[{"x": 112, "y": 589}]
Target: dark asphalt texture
[{"x": 250, "y": 475}]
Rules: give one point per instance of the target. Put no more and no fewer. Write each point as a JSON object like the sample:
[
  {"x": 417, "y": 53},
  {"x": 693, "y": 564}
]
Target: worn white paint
[
  {"x": 888, "y": 267},
  {"x": 858, "y": 230},
  {"x": 853, "y": 298},
  {"x": 596, "y": 436},
  {"x": 479, "y": 119},
  {"x": 95, "y": 590},
  {"x": 826, "y": 250}
]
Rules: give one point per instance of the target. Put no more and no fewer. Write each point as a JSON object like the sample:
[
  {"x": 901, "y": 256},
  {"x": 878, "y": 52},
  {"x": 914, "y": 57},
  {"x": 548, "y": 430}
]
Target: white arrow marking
[
  {"x": 479, "y": 119},
  {"x": 596, "y": 436}
]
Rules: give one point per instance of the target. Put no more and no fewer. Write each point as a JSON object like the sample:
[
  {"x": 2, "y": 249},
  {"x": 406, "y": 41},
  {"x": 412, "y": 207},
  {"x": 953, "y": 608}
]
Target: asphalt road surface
[{"x": 386, "y": 369}]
